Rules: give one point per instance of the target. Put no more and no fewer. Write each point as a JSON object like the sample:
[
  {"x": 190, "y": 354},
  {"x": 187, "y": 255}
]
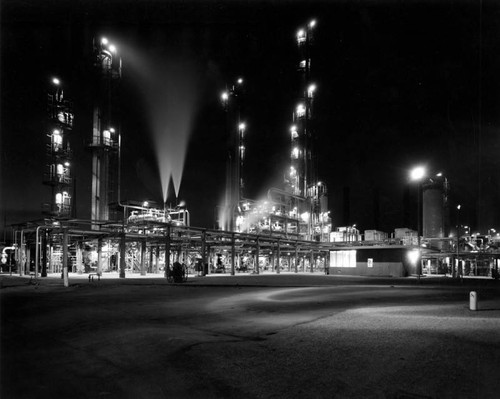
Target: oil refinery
[{"x": 290, "y": 230}]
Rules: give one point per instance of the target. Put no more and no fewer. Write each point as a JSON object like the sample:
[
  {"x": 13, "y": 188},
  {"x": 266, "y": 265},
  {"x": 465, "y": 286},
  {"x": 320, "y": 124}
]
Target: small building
[
  {"x": 375, "y": 235},
  {"x": 388, "y": 260}
]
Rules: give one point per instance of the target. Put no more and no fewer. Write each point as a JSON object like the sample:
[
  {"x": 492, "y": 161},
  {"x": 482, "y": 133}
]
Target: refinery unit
[
  {"x": 299, "y": 209},
  {"x": 288, "y": 231}
]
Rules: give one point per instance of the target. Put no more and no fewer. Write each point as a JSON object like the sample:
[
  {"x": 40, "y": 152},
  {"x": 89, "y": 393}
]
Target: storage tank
[{"x": 435, "y": 208}]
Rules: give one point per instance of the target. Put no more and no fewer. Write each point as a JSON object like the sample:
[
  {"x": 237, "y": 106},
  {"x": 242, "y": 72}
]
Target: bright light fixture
[
  {"x": 56, "y": 81},
  {"x": 417, "y": 173}
]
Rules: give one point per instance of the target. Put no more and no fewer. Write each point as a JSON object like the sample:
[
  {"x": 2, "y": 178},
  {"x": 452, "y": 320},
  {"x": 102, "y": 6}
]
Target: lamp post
[{"x": 417, "y": 174}]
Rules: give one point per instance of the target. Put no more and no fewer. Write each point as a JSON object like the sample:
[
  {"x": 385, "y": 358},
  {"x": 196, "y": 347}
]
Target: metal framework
[{"x": 59, "y": 155}]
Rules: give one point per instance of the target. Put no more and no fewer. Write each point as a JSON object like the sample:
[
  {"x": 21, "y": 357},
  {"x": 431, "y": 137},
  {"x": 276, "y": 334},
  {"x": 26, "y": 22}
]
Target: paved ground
[{"x": 249, "y": 336}]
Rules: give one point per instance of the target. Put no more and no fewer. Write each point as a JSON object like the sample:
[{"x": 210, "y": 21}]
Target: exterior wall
[{"x": 384, "y": 262}]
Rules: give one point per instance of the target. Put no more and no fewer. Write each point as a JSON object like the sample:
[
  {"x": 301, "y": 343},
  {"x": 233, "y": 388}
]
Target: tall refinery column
[
  {"x": 104, "y": 144},
  {"x": 58, "y": 170},
  {"x": 235, "y": 128},
  {"x": 302, "y": 142}
]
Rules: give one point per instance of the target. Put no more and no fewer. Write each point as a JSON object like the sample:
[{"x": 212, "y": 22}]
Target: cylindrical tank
[{"x": 435, "y": 209}]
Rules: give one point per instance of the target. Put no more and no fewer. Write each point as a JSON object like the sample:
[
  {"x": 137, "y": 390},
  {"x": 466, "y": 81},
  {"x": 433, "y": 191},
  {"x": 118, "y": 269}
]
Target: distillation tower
[
  {"x": 105, "y": 131},
  {"x": 299, "y": 210},
  {"x": 58, "y": 170},
  {"x": 301, "y": 181},
  {"x": 235, "y": 130}
]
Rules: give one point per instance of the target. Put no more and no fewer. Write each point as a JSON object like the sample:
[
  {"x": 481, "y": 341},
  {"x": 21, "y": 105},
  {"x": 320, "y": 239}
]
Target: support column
[
  {"x": 44, "y": 254},
  {"x": 167, "y": 251},
  {"x": 65, "y": 258},
  {"x": 22, "y": 255},
  {"x": 99, "y": 256},
  {"x": 233, "y": 254},
  {"x": 257, "y": 254},
  {"x": 28, "y": 260},
  {"x": 278, "y": 260},
  {"x": 123, "y": 261},
  {"x": 203, "y": 251},
  {"x": 79, "y": 258},
  {"x": 150, "y": 265},
  {"x": 157, "y": 260},
  {"x": 296, "y": 258},
  {"x": 311, "y": 262},
  {"x": 143, "y": 257}
]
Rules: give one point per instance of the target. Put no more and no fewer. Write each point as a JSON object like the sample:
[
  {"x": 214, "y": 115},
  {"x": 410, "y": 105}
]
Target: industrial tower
[
  {"x": 299, "y": 210},
  {"x": 302, "y": 178},
  {"x": 58, "y": 170},
  {"x": 235, "y": 130},
  {"x": 105, "y": 131}
]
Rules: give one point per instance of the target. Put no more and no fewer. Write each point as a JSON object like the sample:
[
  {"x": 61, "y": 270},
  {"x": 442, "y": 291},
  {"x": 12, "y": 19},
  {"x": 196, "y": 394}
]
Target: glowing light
[
  {"x": 413, "y": 255},
  {"x": 224, "y": 96},
  {"x": 145, "y": 203},
  {"x": 56, "y": 132},
  {"x": 104, "y": 41},
  {"x": 312, "y": 24},
  {"x": 242, "y": 126},
  {"x": 301, "y": 110},
  {"x": 66, "y": 164},
  {"x": 240, "y": 81},
  {"x": 112, "y": 48},
  {"x": 305, "y": 216},
  {"x": 56, "y": 81},
  {"x": 295, "y": 152},
  {"x": 458, "y": 207},
  {"x": 417, "y": 173},
  {"x": 301, "y": 34},
  {"x": 111, "y": 130},
  {"x": 311, "y": 89}
]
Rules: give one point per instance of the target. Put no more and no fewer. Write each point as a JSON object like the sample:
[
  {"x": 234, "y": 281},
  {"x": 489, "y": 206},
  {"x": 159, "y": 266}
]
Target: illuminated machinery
[
  {"x": 57, "y": 174},
  {"x": 147, "y": 218},
  {"x": 300, "y": 210},
  {"x": 105, "y": 136},
  {"x": 301, "y": 180}
]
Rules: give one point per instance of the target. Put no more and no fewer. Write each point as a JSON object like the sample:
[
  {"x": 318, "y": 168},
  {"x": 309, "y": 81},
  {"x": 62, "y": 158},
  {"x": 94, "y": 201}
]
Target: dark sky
[{"x": 399, "y": 84}]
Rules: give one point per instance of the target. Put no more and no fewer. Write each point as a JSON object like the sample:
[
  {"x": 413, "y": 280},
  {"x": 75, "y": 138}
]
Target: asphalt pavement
[{"x": 249, "y": 336}]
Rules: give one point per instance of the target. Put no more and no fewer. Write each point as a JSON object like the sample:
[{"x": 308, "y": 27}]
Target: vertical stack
[
  {"x": 58, "y": 170},
  {"x": 105, "y": 135},
  {"x": 302, "y": 169},
  {"x": 235, "y": 130}
]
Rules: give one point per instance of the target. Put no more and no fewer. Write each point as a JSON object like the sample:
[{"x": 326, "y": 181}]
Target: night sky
[{"x": 399, "y": 84}]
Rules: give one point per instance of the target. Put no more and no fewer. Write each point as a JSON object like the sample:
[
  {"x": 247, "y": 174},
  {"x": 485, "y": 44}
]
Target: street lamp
[{"x": 417, "y": 174}]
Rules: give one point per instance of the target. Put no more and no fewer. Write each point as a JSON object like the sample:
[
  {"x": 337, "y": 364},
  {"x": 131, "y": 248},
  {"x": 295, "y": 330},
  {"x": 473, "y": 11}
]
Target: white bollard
[{"x": 473, "y": 300}]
